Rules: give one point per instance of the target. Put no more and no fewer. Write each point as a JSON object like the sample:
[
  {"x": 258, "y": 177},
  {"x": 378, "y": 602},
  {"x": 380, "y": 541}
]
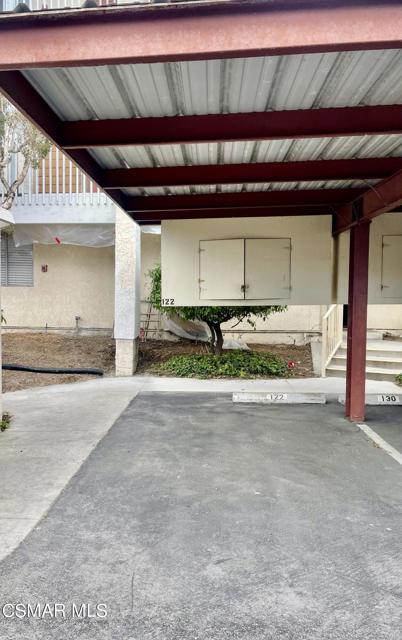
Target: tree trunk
[
  {"x": 12, "y": 190},
  {"x": 8, "y": 200},
  {"x": 219, "y": 340},
  {"x": 213, "y": 336}
]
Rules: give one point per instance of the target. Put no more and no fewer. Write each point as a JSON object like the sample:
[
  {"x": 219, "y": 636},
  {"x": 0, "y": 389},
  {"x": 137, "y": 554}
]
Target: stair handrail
[{"x": 332, "y": 334}]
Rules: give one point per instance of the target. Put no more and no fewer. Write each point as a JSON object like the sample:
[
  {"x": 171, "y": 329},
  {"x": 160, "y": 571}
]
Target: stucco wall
[
  {"x": 302, "y": 318},
  {"x": 387, "y": 224},
  {"x": 79, "y": 282},
  {"x": 311, "y": 256},
  {"x": 150, "y": 256},
  {"x": 380, "y": 315}
]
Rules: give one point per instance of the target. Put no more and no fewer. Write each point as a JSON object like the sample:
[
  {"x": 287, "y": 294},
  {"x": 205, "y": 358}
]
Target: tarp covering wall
[{"x": 86, "y": 235}]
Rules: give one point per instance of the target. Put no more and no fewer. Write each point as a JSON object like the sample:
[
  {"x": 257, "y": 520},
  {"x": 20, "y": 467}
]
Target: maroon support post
[{"x": 357, "y": 321}]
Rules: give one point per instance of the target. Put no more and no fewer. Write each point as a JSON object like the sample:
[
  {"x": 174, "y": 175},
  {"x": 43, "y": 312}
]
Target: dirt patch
[
  {"x": 389, "y": 336},
  {"x": 154, "y": 352},
  {"x": 53, "y": 350}
]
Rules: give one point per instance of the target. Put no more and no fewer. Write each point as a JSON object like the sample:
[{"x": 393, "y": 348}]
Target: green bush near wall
[
  {"x": 233, "y": 364},
  {"x": 398, "y": 379}
]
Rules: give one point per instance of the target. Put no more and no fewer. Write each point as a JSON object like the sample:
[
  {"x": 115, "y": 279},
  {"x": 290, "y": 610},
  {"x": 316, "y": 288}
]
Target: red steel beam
[
  {"x": 290, "y": 198},
  {"x": 271, "y": 125},
  {"x": 21, "y": 93},
  {"x": 384, "y": 196},
  {"x": 147, "y": 217},
  {"x": 357, "y": 321},
  {"x": 120, "y": 35},
  {"x": 361, "y": 168}
]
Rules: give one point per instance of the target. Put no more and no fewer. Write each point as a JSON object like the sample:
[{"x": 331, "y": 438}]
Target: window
[{"x": 16, "y": 263}]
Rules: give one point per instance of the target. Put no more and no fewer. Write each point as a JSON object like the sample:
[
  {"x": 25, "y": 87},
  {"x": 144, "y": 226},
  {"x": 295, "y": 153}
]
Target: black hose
[{"x": 21, "y": 367}]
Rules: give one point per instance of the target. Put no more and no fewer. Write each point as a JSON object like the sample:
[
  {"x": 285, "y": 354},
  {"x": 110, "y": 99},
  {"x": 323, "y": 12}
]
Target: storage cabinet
[
  {"x": 267, "y": 268},
  {"x": 245, "y": 269},
  {"x": 221, "y": 269}
]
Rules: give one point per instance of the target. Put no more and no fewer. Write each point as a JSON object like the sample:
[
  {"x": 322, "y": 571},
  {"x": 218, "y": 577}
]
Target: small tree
[
  {"x": 212, "y": 316},
  {"x": 21, "y": 140}
]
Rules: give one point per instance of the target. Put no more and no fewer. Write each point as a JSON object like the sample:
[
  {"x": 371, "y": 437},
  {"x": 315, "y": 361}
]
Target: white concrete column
[
  {"x": 127, "y": 293},
  {"x": 6, "y": 218},
  {"x": 1, "y": 350}
]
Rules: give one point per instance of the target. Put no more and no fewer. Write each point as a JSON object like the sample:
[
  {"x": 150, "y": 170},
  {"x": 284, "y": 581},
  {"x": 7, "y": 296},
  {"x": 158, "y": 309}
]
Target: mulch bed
[
  {"x": 53, "y": 350},
  {"x": 56, "y": 350},
  {"x": 154, "y": 352}
]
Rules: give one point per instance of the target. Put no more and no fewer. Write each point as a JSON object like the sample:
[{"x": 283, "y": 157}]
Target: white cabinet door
[
  {"x": 391, "y": 278},
  {"x": 267, "y": 268},
  {"x": 222, "y": 269}
]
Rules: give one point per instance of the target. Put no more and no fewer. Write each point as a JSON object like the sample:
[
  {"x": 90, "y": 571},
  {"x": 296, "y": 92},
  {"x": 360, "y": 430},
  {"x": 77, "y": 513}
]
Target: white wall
[
  {"x": 150, "y": 256},
  {"x": 381, "y": 316},
  {"x": 387, "y": 224},
  {"x": 127, "y": 299},
  {"x": 294, "y": 324},
  {"x": 79, "y": 282},
  {"x": 311, "y": 256}
]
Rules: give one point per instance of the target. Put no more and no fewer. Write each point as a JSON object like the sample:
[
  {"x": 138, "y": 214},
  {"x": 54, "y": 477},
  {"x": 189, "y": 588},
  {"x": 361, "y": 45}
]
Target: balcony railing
[
  {"x": 332, "y": 335},
  {"x": 48, "y": 5},
  {"x": 57, "y": 181}
]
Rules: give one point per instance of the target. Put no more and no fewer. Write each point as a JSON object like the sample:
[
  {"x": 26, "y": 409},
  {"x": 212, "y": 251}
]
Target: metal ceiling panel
[
  {"x": 222, "y": 86},
  {"x": 234, "y": 188},
  {"x": 258, "y": 84},
  {"x": 249, "y": 151}
]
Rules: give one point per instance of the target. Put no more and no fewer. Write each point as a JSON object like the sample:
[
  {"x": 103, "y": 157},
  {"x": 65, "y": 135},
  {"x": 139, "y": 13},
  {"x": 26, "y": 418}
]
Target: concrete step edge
[
  {"x": 370, "y": 358},
  {"x": 395, "y": 372},
  {"x": 387, "y": 346}
]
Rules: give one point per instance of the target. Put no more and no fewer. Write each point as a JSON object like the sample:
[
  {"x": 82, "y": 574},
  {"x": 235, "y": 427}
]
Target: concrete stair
[{"x": 384, "y": 360}]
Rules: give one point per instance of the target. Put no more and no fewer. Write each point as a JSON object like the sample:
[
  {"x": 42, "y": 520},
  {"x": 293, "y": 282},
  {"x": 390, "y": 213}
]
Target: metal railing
[
  {"x": 332, "y": 334},
  {"x": 7, "y": 6},
  {"x": 56, "y": 181},
  {"x": 39, "y": 5}
]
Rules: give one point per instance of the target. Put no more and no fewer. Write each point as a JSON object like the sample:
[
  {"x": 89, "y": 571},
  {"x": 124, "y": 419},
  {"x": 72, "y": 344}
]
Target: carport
[{"x": 206, "y": 110}]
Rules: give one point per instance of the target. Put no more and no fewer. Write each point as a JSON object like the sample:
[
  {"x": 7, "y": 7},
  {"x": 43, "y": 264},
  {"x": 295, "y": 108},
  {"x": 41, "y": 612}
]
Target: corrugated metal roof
[
  {"x": 233, "y": 188},
  {"x": 250, "y": 151},
  {"x": 230, "y": 86},
  {"x": 223, "y": 86}
]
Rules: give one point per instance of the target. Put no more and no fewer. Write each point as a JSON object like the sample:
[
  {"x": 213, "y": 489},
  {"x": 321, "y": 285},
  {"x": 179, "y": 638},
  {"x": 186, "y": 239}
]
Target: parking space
[
  {"x": 197, "y": 518},
  {"x": 387, "y": 422}
]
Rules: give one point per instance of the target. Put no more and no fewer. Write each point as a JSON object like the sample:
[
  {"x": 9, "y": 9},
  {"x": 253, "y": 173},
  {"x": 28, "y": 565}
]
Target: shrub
[
  {"x": 399, "y": 379},
  {"x": 5, "y": 421},
  {"x": 212, "y": 316},
  {"x": 233, "y": 364}
]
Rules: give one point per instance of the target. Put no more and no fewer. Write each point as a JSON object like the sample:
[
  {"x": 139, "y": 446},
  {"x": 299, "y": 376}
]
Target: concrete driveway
[{"x": 197, "y": 519}]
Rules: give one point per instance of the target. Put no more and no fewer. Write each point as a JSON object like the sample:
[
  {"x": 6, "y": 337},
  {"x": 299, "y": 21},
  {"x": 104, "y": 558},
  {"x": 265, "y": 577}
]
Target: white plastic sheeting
[
  {"x": 6, "y": 218},
  {"x": 187, "y": 329},
  {"x": 194, "y": 330},
  {"x": 85, "y": 235},
  {"x": 151, "y": 228}
]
